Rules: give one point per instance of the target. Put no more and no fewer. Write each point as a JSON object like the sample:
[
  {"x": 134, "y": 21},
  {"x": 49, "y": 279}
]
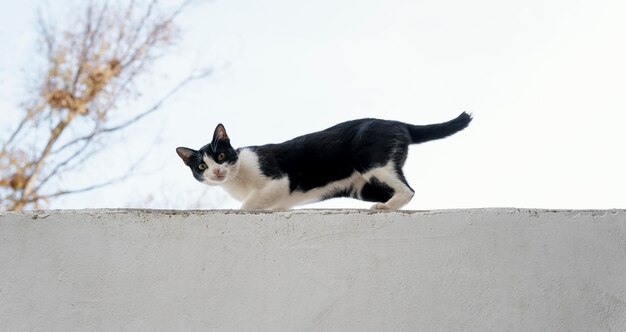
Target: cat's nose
[{"x": 216, "y": 171}]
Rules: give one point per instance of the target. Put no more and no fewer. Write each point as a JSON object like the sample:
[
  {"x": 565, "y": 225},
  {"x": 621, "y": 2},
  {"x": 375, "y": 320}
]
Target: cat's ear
[
  {"x": 186, "y": 154},
  {"x": 220, "y": 133}
]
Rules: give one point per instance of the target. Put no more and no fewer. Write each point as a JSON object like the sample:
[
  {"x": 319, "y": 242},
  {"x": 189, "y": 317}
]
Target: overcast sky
[{"x": 545, "y": 80}]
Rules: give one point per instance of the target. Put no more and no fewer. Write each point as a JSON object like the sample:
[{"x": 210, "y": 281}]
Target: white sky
[{"x": 545, "y": 80}]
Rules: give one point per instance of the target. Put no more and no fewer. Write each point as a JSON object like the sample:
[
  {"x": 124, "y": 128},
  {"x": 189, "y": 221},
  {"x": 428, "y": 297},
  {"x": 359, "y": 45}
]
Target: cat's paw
[{"x": 380, "y": 206}]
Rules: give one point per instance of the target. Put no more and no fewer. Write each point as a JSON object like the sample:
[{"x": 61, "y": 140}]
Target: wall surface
[{"x": 313, "y": 270}]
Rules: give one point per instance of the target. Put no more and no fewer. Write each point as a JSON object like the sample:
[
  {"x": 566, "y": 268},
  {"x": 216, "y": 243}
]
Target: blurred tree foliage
[{"x": 91, "y": 64}]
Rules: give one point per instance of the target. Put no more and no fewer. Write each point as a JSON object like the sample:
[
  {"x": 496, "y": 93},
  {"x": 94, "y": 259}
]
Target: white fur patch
[{"x": 248, "y": 177}]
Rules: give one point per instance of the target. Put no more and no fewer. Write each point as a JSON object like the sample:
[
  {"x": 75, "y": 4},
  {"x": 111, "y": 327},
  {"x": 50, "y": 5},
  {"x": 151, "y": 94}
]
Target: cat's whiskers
[{"x": 238, "y": 175}]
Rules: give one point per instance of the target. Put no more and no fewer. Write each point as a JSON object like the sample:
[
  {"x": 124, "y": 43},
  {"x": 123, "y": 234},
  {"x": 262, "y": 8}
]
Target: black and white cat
[{"x": 361, "y": 159}]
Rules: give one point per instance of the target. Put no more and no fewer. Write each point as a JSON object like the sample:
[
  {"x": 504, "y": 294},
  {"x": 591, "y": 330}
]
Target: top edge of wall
[{"x": 313, "y": 211}]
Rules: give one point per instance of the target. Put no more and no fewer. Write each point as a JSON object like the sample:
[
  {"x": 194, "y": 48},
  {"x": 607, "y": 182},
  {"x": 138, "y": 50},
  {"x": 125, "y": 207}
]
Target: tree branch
[
  {"x": 93, "y": 57},
  {"x": 30, "y": 181},
  {"x": 126, "y": 175},
  {"x": 67, "y": 160}
]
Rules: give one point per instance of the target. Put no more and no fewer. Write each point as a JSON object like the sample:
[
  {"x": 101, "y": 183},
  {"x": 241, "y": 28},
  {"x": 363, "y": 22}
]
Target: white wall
[{"x": 481, "y": 270}]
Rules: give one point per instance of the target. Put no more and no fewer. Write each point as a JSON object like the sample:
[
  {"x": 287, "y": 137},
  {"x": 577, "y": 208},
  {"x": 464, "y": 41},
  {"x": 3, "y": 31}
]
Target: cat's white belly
[
  {"x": 355, "y": 181},
  {"x": 275, "y": 193}
]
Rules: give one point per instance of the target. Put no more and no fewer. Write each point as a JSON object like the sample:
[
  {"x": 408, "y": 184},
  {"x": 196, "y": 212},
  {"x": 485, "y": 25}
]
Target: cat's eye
[
  {"x": 221, "y": 156},
  {"x": 202, "y": 167}
]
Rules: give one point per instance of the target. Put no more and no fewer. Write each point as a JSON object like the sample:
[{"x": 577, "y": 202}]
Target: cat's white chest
[
  {"x": 248, "y": 179},
  {"x": 257, "y": 191}
]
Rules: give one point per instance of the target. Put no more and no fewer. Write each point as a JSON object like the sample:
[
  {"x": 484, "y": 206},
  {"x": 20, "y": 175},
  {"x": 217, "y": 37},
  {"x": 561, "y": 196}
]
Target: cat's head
[{"x": 215, "y": 163}]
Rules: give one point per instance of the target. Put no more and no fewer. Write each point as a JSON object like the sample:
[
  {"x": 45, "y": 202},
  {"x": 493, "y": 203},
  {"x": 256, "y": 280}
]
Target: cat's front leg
[
  {"x": 261, "y": 200},
  {"x": 254, "y": 202},
  {"x": 260, "y": 204},
  {"x": 271, "y": 196}
]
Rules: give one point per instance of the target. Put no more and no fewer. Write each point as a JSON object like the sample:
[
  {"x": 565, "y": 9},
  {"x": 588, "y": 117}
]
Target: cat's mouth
[{"x": 216, "y": 178}]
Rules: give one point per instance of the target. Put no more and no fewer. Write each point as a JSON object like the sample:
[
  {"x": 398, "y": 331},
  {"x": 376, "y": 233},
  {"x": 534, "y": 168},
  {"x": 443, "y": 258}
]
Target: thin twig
[
  {"x": 67, "y": 160},
  {"x": 15, "y": 133},
  {"x": 127, "y": 174}
]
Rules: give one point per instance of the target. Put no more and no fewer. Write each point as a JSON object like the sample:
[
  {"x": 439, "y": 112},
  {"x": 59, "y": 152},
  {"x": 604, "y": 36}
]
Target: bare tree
[{"x": 90, "y": 67}]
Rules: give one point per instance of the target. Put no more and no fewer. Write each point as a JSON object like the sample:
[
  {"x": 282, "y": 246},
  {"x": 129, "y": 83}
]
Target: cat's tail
[{"x": 425, "y": 133}]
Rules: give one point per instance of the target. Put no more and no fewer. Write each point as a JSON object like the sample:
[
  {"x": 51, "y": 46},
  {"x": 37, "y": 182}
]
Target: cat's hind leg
[{"x": 392, "y": 180}]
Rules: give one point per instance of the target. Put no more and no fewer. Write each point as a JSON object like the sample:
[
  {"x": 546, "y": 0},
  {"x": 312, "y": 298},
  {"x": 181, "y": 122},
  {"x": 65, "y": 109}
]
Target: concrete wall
[{"x": 480, "y": 270}]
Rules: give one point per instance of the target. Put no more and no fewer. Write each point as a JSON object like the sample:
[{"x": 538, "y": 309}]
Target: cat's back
[
  {"x": 335, "y": 153},
  {"x": 337, "y": 143},
  {"x": 345, "y": 132}
]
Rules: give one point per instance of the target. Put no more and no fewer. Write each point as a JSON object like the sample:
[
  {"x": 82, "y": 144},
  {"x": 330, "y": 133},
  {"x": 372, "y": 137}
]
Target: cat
[{"x": 361, "y": 159}]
